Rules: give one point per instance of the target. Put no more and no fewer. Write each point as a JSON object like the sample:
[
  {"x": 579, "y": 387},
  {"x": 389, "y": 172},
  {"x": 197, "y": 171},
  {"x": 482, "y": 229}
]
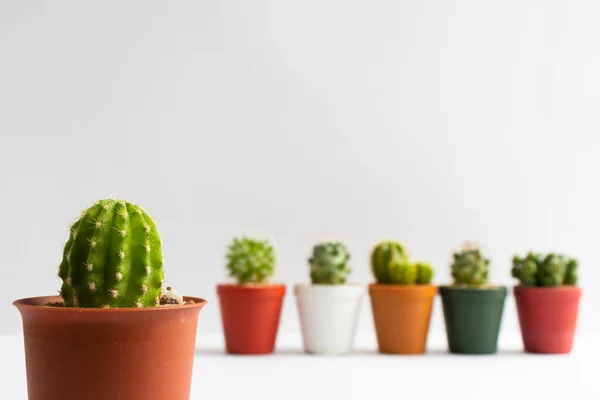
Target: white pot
[{"x": 328, "y": 316}]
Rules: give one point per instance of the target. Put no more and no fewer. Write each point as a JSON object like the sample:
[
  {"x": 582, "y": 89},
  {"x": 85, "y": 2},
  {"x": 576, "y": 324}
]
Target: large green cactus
[
  {"x": 383, "y": 256},
  {"x": 470, "y": 267},
  {"x": 552, "y": 269},
  {"x": 329, "y": 263},
  {"x": 113, "y": 258},
  {"x": 250, "y": 260}
]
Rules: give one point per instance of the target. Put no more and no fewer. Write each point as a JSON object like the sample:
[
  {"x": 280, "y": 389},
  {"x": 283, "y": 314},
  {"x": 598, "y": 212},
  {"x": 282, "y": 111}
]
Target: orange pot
[
  {"x": 250, "y": 316},
  {"x": 401, "y": 314},
  {"x": 108, "y": 353}
]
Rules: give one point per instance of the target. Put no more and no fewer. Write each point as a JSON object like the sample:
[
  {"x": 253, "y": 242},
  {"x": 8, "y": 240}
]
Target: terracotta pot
[
  {"x": 328, "y": 316},
  {"x": 113, "y": 353},
  {"x": 250, "y": 316},
  {"x": 548, "y": 317},
  {"x": 473, "y": 317},
  {"x": 401, "y": 314}
]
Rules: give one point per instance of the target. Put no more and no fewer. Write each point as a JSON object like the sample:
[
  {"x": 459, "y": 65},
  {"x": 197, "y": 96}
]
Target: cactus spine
[
  {"x": 390, "y": 263},
  {"x": 329, "y": 263},
  {"x": 545, "y": 270},
  {"x": 470, "y": 267},
  {"x": 113, "y": 258},
  {"x": 250, "y": 260}
]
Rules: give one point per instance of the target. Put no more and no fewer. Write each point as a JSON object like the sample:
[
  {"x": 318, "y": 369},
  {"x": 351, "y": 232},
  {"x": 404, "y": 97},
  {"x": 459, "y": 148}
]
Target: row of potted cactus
[
  {"x": 116, "y": 331},
  {"x": 401, "y": 299}
]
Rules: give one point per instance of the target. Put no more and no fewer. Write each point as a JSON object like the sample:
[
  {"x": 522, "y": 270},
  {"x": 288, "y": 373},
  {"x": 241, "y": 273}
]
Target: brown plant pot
[
  {"x": 250, "y": 316},
  {"x": 401, "y": 314},
  {"x": 112, "y": 353}
]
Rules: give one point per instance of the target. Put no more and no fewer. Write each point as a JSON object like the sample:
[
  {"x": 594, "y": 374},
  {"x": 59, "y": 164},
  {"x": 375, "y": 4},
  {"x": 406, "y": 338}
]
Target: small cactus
[
  {"x": 382, "y": 257},
  {"x": 571, "y": 275},
  {"x": 470, "y": 267},
  {"x": 403, "y": 272},
  {"x": 390, "y": 263},
  {"x": 544, "y": 270},
  {"x": 250, "y": 260},
  {"x": 329, "y": 263},
  {"x": 113, "y": 258},
  {"x": 424, "y": 273}
]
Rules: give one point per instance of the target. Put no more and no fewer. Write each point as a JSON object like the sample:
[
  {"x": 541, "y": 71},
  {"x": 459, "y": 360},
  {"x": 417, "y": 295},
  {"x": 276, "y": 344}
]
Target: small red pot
[
  {"x": 548, "y": 317},
  {"x": 250, "y": 316}
]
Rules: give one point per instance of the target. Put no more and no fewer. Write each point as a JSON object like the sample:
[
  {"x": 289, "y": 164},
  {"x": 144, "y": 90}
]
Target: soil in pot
[
  {"x": 108, "y": 353},
  {"x": 473, "y": 317},
  {"x": 548, "y": 317},
  {"x": 328, "y": 316},
  {"x": 401, "y": 314},
  {"x": 250, "y": 316}
]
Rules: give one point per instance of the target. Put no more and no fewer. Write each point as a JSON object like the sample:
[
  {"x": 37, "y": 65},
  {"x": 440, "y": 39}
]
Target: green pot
[{"x": 473, "y": 317}]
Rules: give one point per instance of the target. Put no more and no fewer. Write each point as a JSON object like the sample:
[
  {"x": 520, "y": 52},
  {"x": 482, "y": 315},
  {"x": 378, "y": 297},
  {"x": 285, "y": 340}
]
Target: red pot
[
  {"x": 108, "y": 353},
  {"x": 250, "y": 316},
  {"x": 548, "y": 317}
]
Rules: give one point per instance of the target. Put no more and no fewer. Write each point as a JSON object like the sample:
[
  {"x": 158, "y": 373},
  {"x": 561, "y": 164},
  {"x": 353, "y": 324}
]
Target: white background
[{"x": 428, "y": 121}]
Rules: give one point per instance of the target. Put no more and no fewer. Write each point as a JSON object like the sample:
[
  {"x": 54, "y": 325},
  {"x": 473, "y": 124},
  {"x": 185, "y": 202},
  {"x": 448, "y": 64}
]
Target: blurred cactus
[
  {"x": 390, "y": 263},
  {"x": 571, "y": 275},
  {"x": 383, "y": 256},
  {"x": 250, "y": 260},
  {"x": 545, "y": 270},
  {"x": 424, "y": 273},
  {"x": 329, "y": 263},
  {"x": 403, "y": 272},
  {"x": 470, "y": 267}
]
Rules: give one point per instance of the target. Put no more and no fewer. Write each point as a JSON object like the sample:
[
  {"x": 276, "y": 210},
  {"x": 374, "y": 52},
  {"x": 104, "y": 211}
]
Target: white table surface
[{"x": 290, "y": 374}]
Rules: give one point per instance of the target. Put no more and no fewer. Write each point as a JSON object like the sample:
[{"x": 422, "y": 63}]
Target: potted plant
[
  {"x": 113, "y": 333},
  {"x": 472, "y": 307},
  {"x": 329, "y": 307},
  {"x": 401, "y": 299},
  {"x": 251, "y": 307},
  {"x": 547, "y": 301}
]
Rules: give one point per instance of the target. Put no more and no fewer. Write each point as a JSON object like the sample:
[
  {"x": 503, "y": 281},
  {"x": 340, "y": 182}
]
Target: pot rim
[
  {"x": 399, "y": 286},
  {"x": 319, "y": 287},
  {"x": 29, "y": 303},
  {"x": 561, "y": 288},
  {"x": 265, "y": 290},
  {"x": 327, "y": 285},
  {"x": 250, "y": 286},
  {"x": 478, "y": 289}
]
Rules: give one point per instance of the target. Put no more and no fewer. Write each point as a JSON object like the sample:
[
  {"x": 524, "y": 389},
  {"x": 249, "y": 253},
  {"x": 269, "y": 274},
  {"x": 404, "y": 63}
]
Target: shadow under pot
[
  {"x": 548, "y": 317},
  {"x": 328, "y": 316},
  {"x": 250, "y": 315},
  {"x": 401, "y": 314},
  {"x": 473, "y": 317},
  {"x": 108, "y": 353}
]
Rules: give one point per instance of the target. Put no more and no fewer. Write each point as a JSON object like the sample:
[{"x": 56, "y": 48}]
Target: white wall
[{"x": 430, "y": 121}]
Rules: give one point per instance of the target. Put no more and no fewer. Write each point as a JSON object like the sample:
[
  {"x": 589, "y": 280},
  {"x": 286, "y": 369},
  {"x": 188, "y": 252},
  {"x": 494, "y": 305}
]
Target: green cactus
[
  {"x": 382, "y": 257},
  {"x": 470, "y": 267},
  {"x": 329, "y": 263},
  {"x": 403, "y": 272},
  {"x": 113, "y": 258},
  {"x": 424, "y": 273},
  {"x": 571, "y": 275},
  {"x": 250, "y": 260},
  {"x": 526, "y": 269},
  {"x": 552, "y": 269}
]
